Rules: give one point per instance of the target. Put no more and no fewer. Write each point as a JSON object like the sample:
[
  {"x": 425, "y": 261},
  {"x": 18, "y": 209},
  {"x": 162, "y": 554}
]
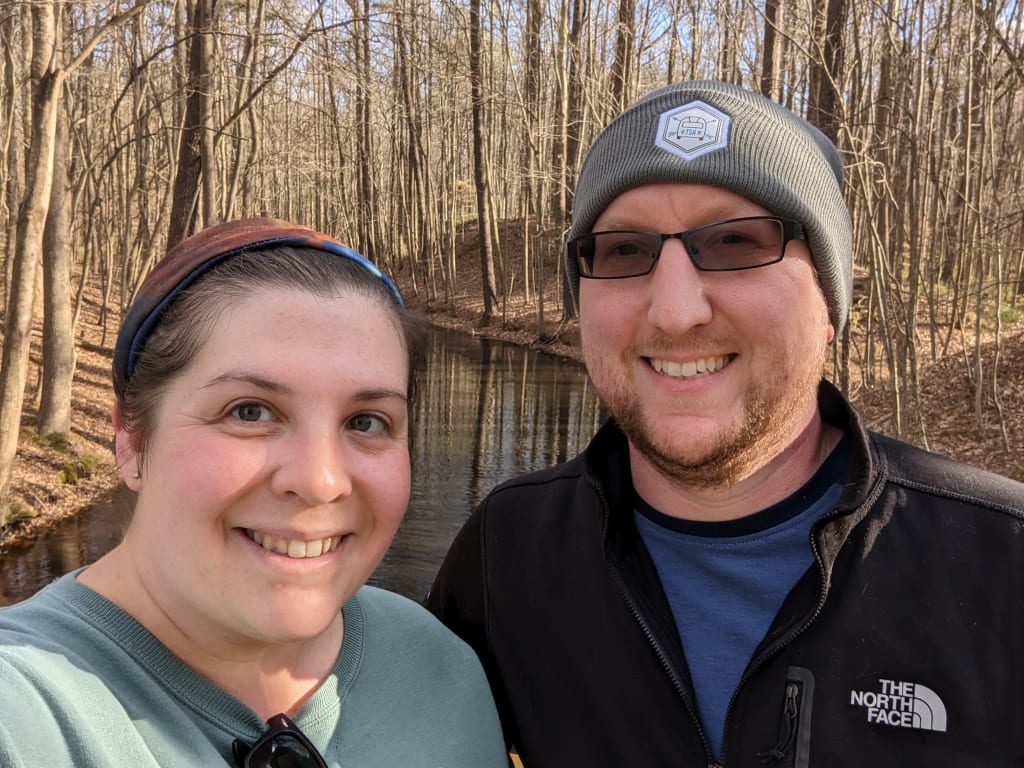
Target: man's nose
[{"x": 678, "y": 295}]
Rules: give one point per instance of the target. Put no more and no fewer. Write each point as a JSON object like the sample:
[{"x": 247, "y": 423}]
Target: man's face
[{"x": 710, "y": 374}]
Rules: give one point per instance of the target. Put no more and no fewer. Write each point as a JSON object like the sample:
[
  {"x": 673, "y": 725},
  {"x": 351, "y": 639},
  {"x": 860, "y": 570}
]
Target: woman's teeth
[{"x": 295, "y": 548}]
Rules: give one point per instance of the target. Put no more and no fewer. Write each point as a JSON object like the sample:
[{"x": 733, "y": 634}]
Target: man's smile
[{"x": 690, "y": 368}]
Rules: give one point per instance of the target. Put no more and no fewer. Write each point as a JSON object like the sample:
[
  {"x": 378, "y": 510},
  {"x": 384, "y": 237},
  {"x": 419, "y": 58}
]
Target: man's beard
[{"x": 767, "y": 426}]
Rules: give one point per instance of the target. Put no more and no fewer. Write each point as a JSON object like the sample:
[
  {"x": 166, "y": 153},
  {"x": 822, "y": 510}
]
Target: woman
[{"x": 262, "y": 379}]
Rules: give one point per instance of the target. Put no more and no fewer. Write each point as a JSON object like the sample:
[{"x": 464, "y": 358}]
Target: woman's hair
[{"x": 186, "y": 324}]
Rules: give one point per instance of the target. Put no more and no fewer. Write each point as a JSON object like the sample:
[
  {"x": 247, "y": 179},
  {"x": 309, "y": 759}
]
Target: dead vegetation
[{"x": 57, "y": 477}]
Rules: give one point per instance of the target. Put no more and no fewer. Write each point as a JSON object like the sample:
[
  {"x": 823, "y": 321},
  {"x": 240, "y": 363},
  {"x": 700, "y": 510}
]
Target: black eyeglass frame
[
  {"x": 791, "y": 230},
  {"x": 279, "y": 726}
]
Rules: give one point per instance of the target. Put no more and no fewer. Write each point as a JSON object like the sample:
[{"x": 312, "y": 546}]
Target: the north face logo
[
  {"x": 903, "y": 705},
  {"x": 692, "y": 130}
]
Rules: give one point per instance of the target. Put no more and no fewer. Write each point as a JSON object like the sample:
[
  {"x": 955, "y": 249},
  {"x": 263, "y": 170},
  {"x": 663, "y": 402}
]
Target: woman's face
[{"x": 277, "y": 471}]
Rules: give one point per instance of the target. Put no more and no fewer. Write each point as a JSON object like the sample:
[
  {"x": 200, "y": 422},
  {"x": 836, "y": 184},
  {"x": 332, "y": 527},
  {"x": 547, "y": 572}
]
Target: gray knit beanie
[{"x": 715, "y": 133}]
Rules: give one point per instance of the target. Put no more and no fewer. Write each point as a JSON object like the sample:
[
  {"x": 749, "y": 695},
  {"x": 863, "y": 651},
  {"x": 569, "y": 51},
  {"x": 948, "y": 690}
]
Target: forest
[{"x": 413, "y": 128}]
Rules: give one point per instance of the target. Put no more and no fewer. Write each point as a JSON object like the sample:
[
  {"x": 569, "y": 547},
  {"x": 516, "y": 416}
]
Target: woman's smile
[{"x": 294, "y": 548}]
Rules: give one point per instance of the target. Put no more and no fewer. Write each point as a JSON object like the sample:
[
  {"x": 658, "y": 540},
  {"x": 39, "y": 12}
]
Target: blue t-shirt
[{"x": 725, "y": 581}]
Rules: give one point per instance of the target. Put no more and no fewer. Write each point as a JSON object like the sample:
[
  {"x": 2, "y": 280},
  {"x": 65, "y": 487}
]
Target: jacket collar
[
  {"x": 607, "y": 468},
  {"x": 861, "y": 475}
]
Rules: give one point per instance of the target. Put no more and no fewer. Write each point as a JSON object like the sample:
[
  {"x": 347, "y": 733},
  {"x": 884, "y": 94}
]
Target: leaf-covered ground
[{"x": 43, "y": 491}]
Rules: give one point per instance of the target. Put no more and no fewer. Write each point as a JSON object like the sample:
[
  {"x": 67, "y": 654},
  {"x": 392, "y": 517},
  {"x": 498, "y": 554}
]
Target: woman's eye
[
  {"x": 366, "y": 422},
  {"x": 251, "y": 412}
]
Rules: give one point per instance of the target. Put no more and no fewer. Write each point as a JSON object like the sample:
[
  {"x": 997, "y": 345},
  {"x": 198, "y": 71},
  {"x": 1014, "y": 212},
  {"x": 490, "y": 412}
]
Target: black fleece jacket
[{"x": 903, "y": 645}]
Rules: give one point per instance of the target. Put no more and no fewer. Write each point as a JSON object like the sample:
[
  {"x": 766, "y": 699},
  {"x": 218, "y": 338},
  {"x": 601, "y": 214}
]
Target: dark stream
[{"x": 486, "y": 411}]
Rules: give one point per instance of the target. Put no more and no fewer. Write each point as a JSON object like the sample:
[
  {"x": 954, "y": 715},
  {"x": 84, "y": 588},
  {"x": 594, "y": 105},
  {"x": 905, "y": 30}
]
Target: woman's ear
[{"x": 126, "y": 452}]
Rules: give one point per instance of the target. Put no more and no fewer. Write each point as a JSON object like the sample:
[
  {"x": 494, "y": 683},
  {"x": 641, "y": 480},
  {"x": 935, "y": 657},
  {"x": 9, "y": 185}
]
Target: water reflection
[
  {"x": 486, "y": 411},
  {"x": 77, "y": 541}
]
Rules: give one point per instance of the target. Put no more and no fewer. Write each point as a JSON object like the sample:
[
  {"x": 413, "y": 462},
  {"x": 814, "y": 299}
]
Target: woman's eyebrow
[
  {"x": 247, "y": 378},
  {"x": 382, "y": 394},
  {"x": 273, "y": 386}
]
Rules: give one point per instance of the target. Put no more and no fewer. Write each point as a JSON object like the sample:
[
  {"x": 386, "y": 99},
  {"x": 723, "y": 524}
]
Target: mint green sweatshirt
[{"x": 83, "y": 684}]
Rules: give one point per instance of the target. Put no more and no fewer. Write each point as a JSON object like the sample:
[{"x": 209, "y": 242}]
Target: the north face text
[{"x": 902, "y": 705}]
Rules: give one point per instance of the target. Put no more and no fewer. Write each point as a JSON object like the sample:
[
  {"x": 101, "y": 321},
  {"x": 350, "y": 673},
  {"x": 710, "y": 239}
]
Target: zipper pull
[{"x": 790, "y": 711}]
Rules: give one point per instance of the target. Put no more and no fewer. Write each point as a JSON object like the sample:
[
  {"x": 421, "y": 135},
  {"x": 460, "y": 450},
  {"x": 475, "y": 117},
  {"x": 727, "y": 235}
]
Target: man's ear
[{"x": 126, "y": 452}]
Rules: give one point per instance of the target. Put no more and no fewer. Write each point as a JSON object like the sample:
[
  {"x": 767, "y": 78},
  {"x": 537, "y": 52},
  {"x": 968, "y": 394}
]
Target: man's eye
[
  {"x": 729, "y": 238},
  {"x": 366, "y": 422},
  {"x": 251, "y": 412},
  {"x": 626, "y": 249}
]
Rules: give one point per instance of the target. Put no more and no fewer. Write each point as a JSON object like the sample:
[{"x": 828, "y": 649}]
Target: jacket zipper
[
  {"x": 666, "y": 665},
  {"x": 793, "y": 745},
  {"x": 790, "y": 718},
  {"x": 747, "y": 673},
  {"x": 670, "y": 670},
  {"x": 787, "y": 639}
]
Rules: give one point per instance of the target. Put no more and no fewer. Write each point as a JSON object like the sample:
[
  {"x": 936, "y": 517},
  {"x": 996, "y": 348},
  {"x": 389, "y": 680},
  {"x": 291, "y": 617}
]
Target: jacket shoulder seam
[{"x": 948, "y": 489}]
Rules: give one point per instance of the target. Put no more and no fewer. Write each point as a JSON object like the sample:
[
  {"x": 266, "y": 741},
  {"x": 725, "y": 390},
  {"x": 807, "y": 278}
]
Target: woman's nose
[{"x": 314, "y": 467}]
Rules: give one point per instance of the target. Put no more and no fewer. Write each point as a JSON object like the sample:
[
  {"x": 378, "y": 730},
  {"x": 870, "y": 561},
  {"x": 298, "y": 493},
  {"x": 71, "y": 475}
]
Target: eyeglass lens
[
  {"x": 283, "y": 751},
  {"x": 722, "y": 246}
]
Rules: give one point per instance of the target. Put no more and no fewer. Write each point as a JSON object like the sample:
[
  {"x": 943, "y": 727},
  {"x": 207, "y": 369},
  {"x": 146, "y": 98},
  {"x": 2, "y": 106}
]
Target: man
[{"x": 735, "y": 572}]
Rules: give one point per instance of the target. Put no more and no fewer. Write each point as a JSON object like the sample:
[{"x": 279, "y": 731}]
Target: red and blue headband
[{"x": 193, "y": 257}]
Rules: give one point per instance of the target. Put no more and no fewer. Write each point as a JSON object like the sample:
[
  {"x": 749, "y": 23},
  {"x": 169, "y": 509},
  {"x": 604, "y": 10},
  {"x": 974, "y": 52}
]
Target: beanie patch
[{"x": 692, "y": 130}]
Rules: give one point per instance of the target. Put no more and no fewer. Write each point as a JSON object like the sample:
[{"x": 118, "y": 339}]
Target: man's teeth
[
  {"x": 690, "y": 368},
  {"x": 294, "y": 547}
]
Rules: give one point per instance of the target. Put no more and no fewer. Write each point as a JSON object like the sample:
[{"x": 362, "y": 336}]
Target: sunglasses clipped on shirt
[
  {"x": 724, "y": 246},
  {"x": 283, "y": 745}
]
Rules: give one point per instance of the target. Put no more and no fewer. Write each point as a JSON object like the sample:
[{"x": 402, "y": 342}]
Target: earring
[{"x": 136, "y": 475}]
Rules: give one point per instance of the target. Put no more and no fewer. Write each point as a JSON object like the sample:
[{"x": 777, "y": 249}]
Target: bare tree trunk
[
  {"x": 47, "y": 80},
  {"x": 560, "y": 108},
  {"x": 14, "y": 105},
  {"x": 367, "y": 224},
  {"x": 622, "y": 66},
  {"x": 531, "y": 185},
  {"x": 58, "y": 333},
  {"x": 487, "y": 277},
  {"x": 419, "y": 188},
  {"x": 207, "y": 137},
  {"x": 924, "y": 100},
  {"x": 826, "y": 73},
  {"x": 574, "y": 128},
  {"x": 46, "y": 85},
  {"x": 728, "y": 47},
  {"x": 185, "y": 198},
  {"x": 769, "y": 86}
]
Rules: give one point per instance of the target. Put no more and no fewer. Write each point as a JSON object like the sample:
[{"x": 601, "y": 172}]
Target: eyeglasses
[
  {"x": 725, "y": 246},
  {"x": 282, "y": 746}
]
